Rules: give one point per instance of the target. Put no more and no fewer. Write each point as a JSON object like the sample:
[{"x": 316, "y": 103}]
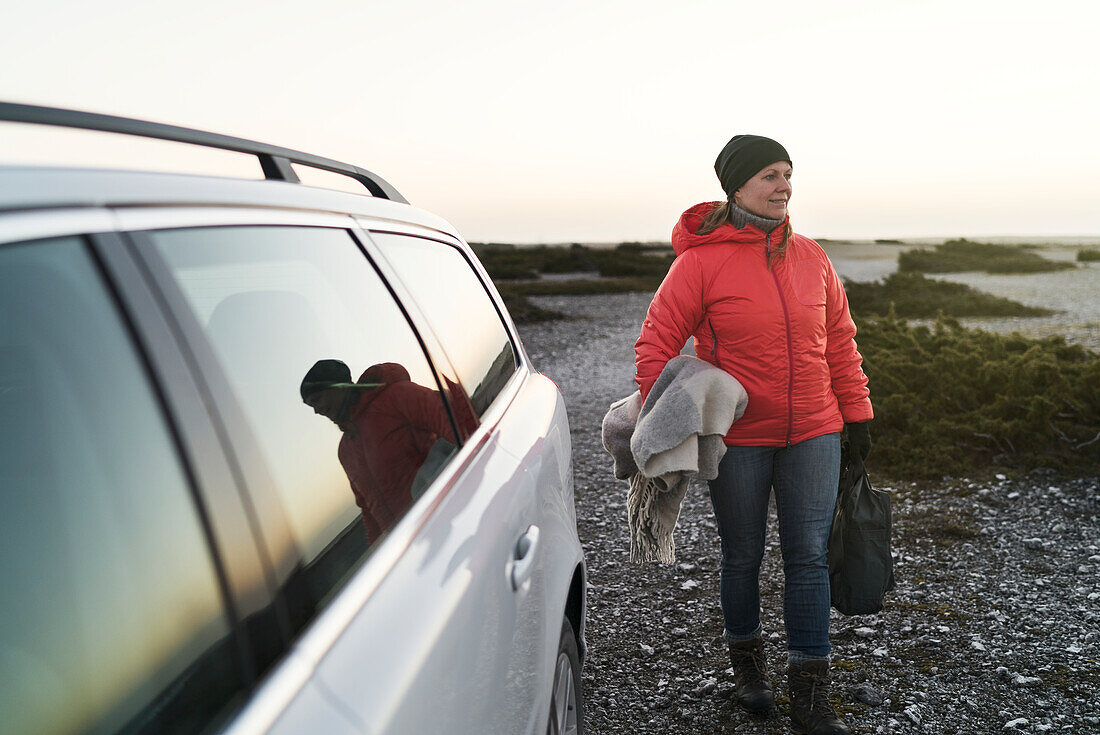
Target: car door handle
[{"x": 523, "y": 556}]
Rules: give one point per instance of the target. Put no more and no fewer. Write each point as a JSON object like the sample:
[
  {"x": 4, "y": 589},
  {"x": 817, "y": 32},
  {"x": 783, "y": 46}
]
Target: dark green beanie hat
[
  {"x": 323, "y": 375},
  {"x": 743, "y": 157}
]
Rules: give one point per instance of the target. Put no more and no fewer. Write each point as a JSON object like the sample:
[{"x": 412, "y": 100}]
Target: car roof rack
[{"x": 274, "y": 160}]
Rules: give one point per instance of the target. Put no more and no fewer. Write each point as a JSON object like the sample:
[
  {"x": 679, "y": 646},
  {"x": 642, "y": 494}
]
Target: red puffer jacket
[
  {"x": 390, "y": 432},
  {"x": 784, "y": 332}
]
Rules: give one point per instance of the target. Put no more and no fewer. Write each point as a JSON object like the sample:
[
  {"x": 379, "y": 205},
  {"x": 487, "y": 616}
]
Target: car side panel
[
  {"x": 535, "y": 430},
  {"x": 445, "y": 644}
]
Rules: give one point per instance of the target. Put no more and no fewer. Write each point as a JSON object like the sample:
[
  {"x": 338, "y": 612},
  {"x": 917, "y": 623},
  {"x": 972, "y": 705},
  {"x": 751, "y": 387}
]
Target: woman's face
[{"x": 766, "y": 194}]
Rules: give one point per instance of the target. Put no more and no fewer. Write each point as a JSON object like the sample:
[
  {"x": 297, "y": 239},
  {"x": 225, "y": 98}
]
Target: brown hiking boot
[
  {"x": 750, "y": 675},
  {"x": 811, "y": 712}
]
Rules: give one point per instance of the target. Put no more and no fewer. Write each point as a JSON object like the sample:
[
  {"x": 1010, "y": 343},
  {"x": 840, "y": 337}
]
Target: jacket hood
[
  {"x": 386, "y": 373},
  {"x": 684, "y": 237}
]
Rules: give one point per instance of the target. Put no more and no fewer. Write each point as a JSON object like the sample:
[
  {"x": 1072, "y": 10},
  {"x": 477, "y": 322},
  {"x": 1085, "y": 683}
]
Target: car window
[
  {"x": 332, "y": 379},
  {"x": 111, "y": 618},
  {"x": 463, "y": 317}
]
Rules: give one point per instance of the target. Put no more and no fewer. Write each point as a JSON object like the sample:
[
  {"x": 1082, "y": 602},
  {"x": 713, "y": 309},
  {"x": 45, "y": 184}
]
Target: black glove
[{"x": 859, "y": 440}]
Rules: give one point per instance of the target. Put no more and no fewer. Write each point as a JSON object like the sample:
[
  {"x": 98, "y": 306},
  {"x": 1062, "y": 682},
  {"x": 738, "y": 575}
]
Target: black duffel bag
[{"x": 861, "y": 570}]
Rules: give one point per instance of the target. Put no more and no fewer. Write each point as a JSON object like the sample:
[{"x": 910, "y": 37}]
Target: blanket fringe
[{"x": 648, "y": 540}]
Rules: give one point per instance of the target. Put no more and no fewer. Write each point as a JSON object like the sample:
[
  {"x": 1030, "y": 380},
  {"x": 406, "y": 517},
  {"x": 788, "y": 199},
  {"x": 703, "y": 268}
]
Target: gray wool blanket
[{"x": 660, "y": 445}]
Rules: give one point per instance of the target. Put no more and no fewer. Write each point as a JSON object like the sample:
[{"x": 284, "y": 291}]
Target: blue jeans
[{"x": 805, "y": 477}]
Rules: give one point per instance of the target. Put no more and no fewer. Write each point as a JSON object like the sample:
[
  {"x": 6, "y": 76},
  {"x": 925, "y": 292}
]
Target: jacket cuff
[{"x": 857, "y": 413}]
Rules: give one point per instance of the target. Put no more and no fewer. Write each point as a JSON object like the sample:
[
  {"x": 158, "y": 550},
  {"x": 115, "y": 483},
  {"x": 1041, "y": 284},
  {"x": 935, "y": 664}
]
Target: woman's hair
[{"x": 721, "y": 213}]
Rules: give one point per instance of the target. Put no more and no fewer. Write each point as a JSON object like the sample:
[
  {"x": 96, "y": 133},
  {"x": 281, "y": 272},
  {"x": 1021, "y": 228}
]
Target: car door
[
  {"x": 395, "y": 580},
  {"x": 489, "y": 671}
]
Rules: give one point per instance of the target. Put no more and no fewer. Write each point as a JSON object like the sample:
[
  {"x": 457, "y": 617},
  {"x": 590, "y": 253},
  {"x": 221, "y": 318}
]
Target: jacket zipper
[
  {"x": 714, "y": 344},
  {"x": 790, "y": 349}
]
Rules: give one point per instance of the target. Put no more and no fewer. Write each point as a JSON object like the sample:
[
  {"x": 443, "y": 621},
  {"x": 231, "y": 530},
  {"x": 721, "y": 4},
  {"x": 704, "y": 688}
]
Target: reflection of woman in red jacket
[
  {"x": 765, "y": 304},
  {"x": 397, "y": 435}
]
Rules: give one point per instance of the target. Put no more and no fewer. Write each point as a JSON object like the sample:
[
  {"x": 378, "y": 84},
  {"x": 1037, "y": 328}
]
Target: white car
[{"x": 272, "y": 459}]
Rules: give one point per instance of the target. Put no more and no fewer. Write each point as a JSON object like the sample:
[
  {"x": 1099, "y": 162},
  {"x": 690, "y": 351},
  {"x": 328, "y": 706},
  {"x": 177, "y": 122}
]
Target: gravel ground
[{"x": 994, "y": 627}]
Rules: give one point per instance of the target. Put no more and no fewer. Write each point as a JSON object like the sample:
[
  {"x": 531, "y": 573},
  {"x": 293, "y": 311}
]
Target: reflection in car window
[
  {"x": 110, "y": 618},
  {"x": 462, "y": 314},
  {"x": 293, "y": 314}
]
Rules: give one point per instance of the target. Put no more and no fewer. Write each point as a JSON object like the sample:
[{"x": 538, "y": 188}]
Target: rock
[
  {"x": 1013, "y": 724},
  {"x": 864, "y": 632},
  {"x": 689, "y": 585},
  {"x": 706, "y": 686},
  {"x": 1034, "y": 544},
  {"x": 867, "y": 694},
  {"x": 1026, "y": 681},
  {"x": 647, "y": 650}
]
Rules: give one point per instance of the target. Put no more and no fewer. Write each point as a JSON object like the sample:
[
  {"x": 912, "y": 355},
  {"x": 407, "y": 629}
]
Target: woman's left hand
[{"x": 859, "y": 439}]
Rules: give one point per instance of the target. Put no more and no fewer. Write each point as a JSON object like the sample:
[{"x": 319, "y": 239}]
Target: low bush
[
  {"x": 524, "y": 312},
  {"x": 957, "y": 256},
  {"x": 912, "y": 296},
  {"x": 1088, "y": 256},
  {"x": 579, "y": 287},
  {"x": 955, "y": 401}
]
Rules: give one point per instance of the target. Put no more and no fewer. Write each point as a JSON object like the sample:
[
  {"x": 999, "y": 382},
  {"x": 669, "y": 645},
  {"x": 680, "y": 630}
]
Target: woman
[{"x": 765, "y": 304}]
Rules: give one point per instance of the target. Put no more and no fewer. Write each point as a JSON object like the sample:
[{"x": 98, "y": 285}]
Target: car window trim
[{"x": 17, "y": 227}]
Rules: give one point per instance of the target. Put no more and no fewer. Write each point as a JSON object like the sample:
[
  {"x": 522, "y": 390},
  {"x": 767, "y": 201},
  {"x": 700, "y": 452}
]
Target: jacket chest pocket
[{"x": 807, "y": 279}]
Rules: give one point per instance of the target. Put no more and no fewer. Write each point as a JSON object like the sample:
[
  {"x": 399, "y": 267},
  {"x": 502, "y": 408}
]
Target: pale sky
[{"x": 600, "y": 121}]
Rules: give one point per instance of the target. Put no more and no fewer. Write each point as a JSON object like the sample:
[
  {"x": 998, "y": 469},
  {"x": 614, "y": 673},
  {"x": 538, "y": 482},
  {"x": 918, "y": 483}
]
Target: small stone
[
  {"x": 913, "y": 714},
  {"x": 1034, "y": 544},
  {"x": 977, "y": 645},
  {"x": 1026, "y": 681},
  {"x": 1058, "y": 528},
  {"x": 999, "y": 476},
  {"x": 1073, "y": 649},
  {"x": 647, "y": 650},
  {"x": 1013, "y": 724},
  {"x": 1084, "y": 569},
  {"x": 1013, "y": 495},
  {"x": 689, "y": 585},
  {"x": 880, "y": 652},
  {"x": 867, "y": 694},
  {"x": 707, "y": 686},
  {"x": 864, "y": 632}
]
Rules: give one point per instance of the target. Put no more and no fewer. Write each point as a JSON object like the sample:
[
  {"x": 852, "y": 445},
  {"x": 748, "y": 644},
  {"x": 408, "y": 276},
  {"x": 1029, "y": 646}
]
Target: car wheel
[{"x": 567, "y": 700}]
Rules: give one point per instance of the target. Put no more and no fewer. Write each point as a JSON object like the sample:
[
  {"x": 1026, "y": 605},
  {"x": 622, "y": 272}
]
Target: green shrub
[
  {"x": 523, "y": 311},
  {"x": 963, "y": 402},
  {"x": 504, "y": 263},
  {"x": 957, "y": 256},
  {"x": 912, "y": 296},
  {"x": 1088, "y": 256},
  {"x": 579, "y": 287},
  {"x": 614, "y": 264}
]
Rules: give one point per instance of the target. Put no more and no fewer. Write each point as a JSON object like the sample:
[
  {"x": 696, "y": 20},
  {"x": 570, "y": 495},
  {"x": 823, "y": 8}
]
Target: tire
[{"x": 566, "y": 699}]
